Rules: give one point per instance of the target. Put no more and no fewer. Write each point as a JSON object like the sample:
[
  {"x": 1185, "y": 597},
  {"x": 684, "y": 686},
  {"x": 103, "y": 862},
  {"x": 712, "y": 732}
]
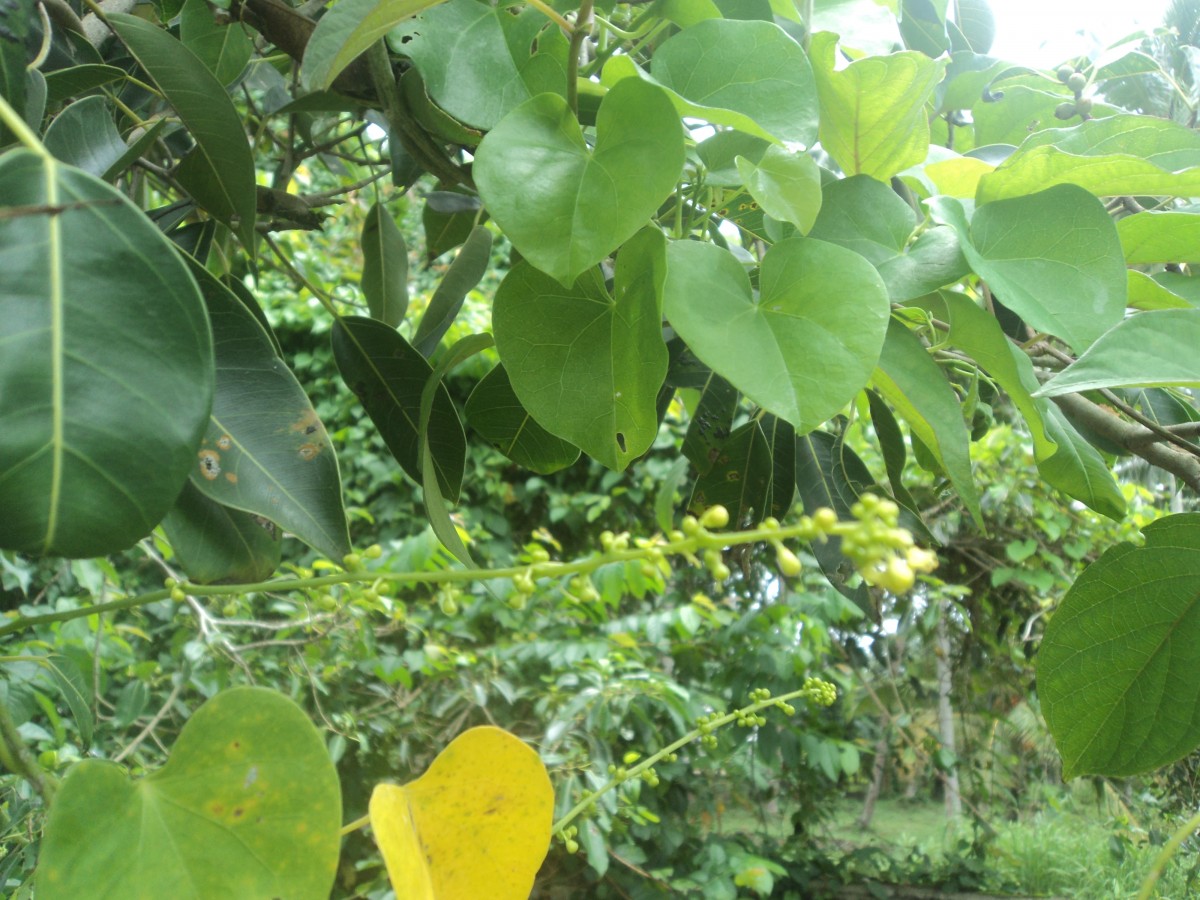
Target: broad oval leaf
[
  {"x": 805, "y": 346},
  {"x": 1124, "y": 645},
  {"x": 588, "y": 364},
  {"x": 219, "y": 172},
  {"x": 476, "y": 824},
  {"x": 385, "y": 266},
  {"x": 346, "y": 31},
  {"x": 1160, "y": 237},
  {"x": 495, "y": 412},
  {"x": 873, "y": 119},
  {"x": 1053, "y": 258},
  {"x": 752, "y": 69},
  {"x": 265, "y": 451},
  {"x": 248, "y": 806},
  {"x": 388, "y": 375},
  {"x": 786, "y": 185},
  {"x": 106, "y": 373},
  {"x": 564, "y": 207},
  {"x": 1146, "y": 350},
  {"x": 83, "y": 135}
]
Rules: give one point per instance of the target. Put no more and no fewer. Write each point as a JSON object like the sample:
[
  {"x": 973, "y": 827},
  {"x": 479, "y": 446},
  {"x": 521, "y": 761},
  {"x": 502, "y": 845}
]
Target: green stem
[
  {"x": 1165, "y": 854},
  {"x": 632, "y": 774},
  {"x": 23, "y": 132},
  {"x": 579, "y": 32},
  {"x": 683, "y": 546},
  {"x": 806, "y": 13},
  {"x": 355, "y": 825},
  {"x": 551, "y": 14},
  {"x": 15, "y": 756}
]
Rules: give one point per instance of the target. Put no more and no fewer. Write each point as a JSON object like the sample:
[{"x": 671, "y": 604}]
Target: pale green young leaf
[
  {"x": 786, "y": 185},
  {"x": 1168, "y": 236}
]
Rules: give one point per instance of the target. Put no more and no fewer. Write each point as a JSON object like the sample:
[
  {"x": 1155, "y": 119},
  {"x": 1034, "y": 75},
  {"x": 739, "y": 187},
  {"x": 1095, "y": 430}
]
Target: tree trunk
[
  {"x": 946, "y": 713},
  {"x": 877, "y": 772}
]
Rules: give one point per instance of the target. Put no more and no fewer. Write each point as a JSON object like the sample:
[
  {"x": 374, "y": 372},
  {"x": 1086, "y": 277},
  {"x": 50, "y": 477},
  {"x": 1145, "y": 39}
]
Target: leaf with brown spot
[{"x": 476, "y": 824}]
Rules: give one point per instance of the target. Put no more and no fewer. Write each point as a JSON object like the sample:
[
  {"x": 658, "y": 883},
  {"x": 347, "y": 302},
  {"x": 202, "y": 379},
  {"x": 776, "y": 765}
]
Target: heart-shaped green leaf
[
  {"x": 805, "y": 346},
  {"x": 248, "y": 806},
  {"x": 786, "y": 185},
  {"x": 585, "y": 363},
  {"x": 97, "y": 435},
  {"x": 1122, "y": 647},
  {"x": 564, "y": 207}
]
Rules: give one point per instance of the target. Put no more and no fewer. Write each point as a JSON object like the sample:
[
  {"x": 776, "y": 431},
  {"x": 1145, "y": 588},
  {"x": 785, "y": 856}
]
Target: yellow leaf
[{"x": 476, "y": 824}]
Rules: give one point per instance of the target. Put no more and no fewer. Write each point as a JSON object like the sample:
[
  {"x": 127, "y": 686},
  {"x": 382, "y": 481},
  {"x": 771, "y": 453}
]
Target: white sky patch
[{"x": 1043, "y": 33}]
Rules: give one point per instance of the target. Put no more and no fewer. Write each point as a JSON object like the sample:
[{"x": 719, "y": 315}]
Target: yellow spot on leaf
[
  {"x": 210, "y": 464},
  {"x": 224, "y": 442},
  {"x": 476, "y": 824},
  {"x": 309, "y": 451},
  {"x": 231, "y": 478}
]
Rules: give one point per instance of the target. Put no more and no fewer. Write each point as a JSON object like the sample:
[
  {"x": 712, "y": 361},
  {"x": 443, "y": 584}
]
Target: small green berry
[
  {"x": 352, "y": 561},
  {"x": 788, "y": 562},
  {"x": 825, "y": 519},
  {"x": 572, "y": 846},
  {"x": 373, "y": 552},
  {"x": 715, "y": 517},
  {"x": 1065, "y": 110},
  {"x": 178, "y": 595},
  {"x": 1065, "y": 72},
  {"x": 1077, "y": 82}
]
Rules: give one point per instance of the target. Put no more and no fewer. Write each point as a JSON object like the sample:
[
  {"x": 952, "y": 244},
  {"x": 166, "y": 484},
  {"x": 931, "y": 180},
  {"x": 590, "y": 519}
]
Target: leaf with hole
[
  {"x": 97, "y": 432},
  {"x": 588, "y": 364},
  {"x": 265, "y": 451},
  {"x": 563, "y": 206},
  {"x": 804, "y": 346},
  {"x": 247, "y": 806},
  {"x": 476, "y": 824}
]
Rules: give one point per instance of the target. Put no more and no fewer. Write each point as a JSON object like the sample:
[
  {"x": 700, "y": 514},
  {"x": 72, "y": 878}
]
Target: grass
[{"x": 1068, "y": 849}]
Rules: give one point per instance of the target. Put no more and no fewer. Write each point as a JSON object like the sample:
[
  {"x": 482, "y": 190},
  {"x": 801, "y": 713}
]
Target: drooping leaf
[
  {"x": 1122, "y": 154},
  {"x": 346, "y": 31},
  {"x": 219, "y": 172},
  {"x": 224, "y": 48},
  {"x": 463, "y": 275},
  {"x": 916, "y": 388},
  {"x": 585, "y": 363},
  {"x": 247, "y": 806},
  {"x": 1053, "y": 258},
  {"x": 805, "y": 347},
  {"x": 486, "y": 793},
  {"x": 78, "y": 80},
  {"x": 476, "y": 62},
  {"x": 214, "y": 543},
  {"x": 786, "y": 185},
  {"x": 388, "y": 375},
  {"x": 748, "y": 75},
  {"x": 495, "y": 412},
  {"x": 1160, "y": 237},
  {"x": 1076, "y": 468},
  {"x": 740, "y": 477},
  {"x": 892, "y": 448},
  {"x": 106, "y": 372},
  {"x": 1148, "y": 293},
  {"x": 711, "y": 423},
  {"x": 1146, "y": 350},
  {"x": 385, "y": 266},
  {"x": 830, "y": 475},
  {"x": 83, "y": 135},
  {"x": 1122, "y": 647},
  {"x": 563, "y": 206},
  {"x": 265, "y": 451},
  {"x": 873, "y": 119}
]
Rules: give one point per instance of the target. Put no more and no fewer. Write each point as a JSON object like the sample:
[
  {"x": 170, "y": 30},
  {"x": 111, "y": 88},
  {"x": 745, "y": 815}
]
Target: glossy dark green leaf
[
  {"x": 740, "y": 477},
  {"x": 830, "y": 475},
  {"x": 495, "y": 412},
  {"x": 444, "y": 231},
  {"x": 916, "y": 389},
  {"x": 873, "y": 119},
  {"x": 265, "y": 451},
  {"x": 564, "y": 206},
  {"x": 219, "y": 172},
  {"x": 586, "y": 363},
  {"x": 83, "y": 135},
  {"x": 463, "y": 275},
  {"x": 476, "y": 59},
  {"x": 711, "y": 423},
  {"x": 1053, "y": 258},
  {"x": 388, "y": 376},
  {"x": 218, "y": 544},
  {"x": 15, "y": 21},
  {"x": 804, "y": 346},
  {"x": 1145, "y": 350},
  {"x": 66, "y": 83},
  {"x": 248, "y": 806},
  {"x": 385, "y": 266},
  {"x": 892, "y": 448},
  {"x": 346, "y": 31},
  {"x": 224, "y": 48},
  {"x": 97, "y": 434},
  {"x": 1122, "y": 647},
  {"x": 781, "y": 438}
]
